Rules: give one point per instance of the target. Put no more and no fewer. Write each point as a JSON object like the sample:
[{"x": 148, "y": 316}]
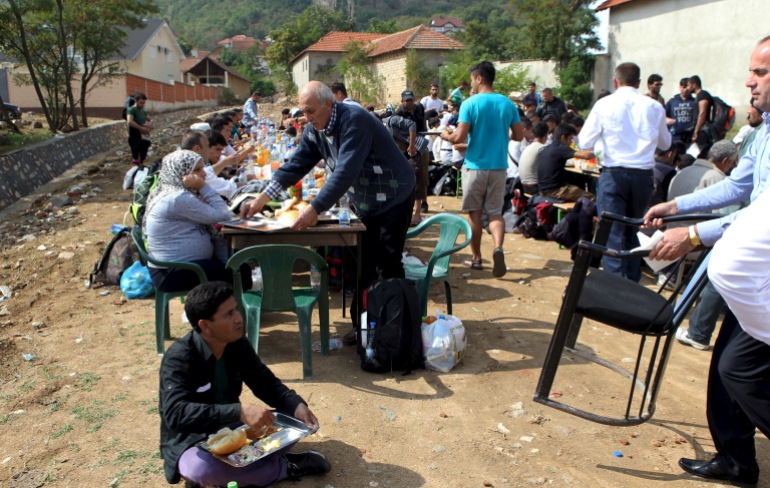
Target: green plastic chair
[
  {"x": 277, "y": 294},
  {"x": 162, "y": 298},
  {"x": 438, "y": 265}
]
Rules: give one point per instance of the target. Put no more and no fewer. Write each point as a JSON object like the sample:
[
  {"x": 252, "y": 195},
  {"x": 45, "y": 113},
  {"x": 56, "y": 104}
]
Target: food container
[{"x": 285, "y": 432}]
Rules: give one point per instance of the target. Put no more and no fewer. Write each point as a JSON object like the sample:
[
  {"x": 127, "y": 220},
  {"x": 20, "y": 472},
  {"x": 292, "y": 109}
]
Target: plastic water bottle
[
  {"x": 370, "y": 340},
  {"x": 344, "y": 213},
  {"x": 232, "y": 484},
  {"x": 256, "y": 279},
  {"x": 242, "y": 176},
  {"x": 315, "y": 278},
  {"x": 335, "y": 344}
]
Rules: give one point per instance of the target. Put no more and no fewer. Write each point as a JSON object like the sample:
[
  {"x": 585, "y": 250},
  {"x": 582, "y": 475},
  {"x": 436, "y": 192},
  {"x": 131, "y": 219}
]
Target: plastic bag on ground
[
  {"x": 443, "y": 342},
  {"x": 135, "y": 282}
]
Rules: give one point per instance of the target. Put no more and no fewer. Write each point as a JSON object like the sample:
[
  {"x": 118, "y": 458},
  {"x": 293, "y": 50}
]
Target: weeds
[{"x": 64, "y": 430}]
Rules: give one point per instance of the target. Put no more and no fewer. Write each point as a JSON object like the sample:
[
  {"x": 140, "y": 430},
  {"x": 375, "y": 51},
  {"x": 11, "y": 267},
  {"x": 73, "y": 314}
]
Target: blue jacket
[{"x": 363, "y": 159}]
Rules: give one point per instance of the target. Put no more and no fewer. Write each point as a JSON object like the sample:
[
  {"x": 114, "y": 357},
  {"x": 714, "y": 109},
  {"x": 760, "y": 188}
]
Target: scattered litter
[
  {"x": 527, "y": 438},
  {"x": 624, "y": 442},
  {"x": 534, "y": 450},
  {"x": 66, "y": 256},
  {"x": 104, "y": 293},
  {"x": 28, "y": 357},
  {"x": 502, "y": 429},
  {"x": 79, "y": 340},
  {"x": 413, "y": 260},
  {"x": 628, "y": 360},
  {"x": 390, "y": 414},
  {"x": 126, "y": 378},
  {"x": 337, "y": 419},
  {"x": 518, "y": 409},
  {"x": 18, "y": 412},
  {"x": 538, "y": 419},
  {"x": 4, "y": 311},
  {"x": 41, "y": 247},
  {"x": 6, "y": 460},
  {"x": 556, "y": 394},
  {"x": 373, "y": 484},
  {"x": 5, "y": 292},
  {"x": 617, "y": 454},
  {"x": 438, "y": 448},
  {"x": 37, "y": 325}
]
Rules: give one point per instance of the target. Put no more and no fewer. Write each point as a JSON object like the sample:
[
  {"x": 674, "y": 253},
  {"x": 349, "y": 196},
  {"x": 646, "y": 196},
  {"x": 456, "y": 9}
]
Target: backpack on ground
[
  {"x": 120, "y": 254},
  {"x": 142, "y": 192},
  {"x": 395, "y": 341},
  {"x": 723, "y": 119}
]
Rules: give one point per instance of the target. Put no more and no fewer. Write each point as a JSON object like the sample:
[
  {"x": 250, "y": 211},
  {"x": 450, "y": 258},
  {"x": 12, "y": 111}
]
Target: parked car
[{"x": 11, "y": 112}]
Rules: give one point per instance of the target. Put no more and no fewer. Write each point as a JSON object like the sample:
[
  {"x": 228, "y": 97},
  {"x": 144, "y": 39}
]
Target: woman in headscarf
[{"x": 178, "y": 224}]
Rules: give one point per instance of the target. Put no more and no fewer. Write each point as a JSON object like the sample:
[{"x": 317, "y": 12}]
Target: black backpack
[
  {"x": 120, "y": 253},
  {"x": 723, "y": 119},
  {"x": 395, "y": 343},
  {"x": 124, "y": 112}
]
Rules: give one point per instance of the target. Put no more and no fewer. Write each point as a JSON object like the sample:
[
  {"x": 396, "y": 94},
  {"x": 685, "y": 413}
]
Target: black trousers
[
  {"x": 382, "y": 246},
  {"x": 738, "y": 397},
  {"x": 139, "y": 147}
]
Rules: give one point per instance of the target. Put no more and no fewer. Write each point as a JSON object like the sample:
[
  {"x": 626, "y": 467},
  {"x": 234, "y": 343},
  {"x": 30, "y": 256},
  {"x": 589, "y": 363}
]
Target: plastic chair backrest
[
  {"x": 276, "y": 262},
  {"x": 136, "y": 235},
  {"x": 144, "y": 256},
  {"x": 451, "y": 226}
]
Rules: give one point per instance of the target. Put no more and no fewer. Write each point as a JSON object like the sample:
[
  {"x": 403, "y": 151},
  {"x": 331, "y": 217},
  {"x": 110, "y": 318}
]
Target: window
[{"x": 154, "y": 52}]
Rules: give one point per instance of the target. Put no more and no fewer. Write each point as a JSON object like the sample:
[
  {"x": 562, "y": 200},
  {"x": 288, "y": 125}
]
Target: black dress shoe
[
  {"x": 712, "y": 471},
  {"x": 424, "y": 206},
  {"x": 306, "y": 463}
]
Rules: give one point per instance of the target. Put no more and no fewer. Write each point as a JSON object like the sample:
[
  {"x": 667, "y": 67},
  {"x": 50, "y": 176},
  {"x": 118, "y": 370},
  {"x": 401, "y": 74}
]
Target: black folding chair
[{"x": 627, "y": 306}]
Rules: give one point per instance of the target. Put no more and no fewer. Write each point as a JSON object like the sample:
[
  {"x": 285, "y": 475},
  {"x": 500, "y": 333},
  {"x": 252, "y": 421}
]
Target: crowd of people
[{"x": 379, "y": 161}]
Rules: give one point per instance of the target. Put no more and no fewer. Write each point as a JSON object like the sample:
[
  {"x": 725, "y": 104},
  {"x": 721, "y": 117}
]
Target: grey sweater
[{"x": 175, "y": 228}]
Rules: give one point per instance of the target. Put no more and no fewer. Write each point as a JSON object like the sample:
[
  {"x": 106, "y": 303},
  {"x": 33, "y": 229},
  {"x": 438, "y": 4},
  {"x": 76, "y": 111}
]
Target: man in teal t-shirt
[{"x": 485, "y": 119}]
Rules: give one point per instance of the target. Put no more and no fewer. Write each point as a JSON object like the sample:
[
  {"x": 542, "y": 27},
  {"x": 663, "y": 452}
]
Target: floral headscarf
[{"x": 175, "y": 167}]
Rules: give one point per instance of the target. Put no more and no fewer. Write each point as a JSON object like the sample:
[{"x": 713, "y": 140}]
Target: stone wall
[{"x": 25, "y": 170}]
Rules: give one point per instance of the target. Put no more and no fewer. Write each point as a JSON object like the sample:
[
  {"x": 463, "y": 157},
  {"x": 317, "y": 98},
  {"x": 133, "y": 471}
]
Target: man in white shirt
[
  {"x": 432, "y": 101},
  {"x": 528, "y": 162},
  {"x": 738, "y": 399},
  {"x": 629, "y": 126}
]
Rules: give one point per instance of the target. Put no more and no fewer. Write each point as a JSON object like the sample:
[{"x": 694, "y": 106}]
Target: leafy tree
[
  {"x": 419, "y": 76},
  {"x": 389, "y": 26},
  {"x": 361, "y": 82},
  {"x": 556, "y": 30},
  {"x": 302, "y": 31},
  {"x": 511, "y": 78}
]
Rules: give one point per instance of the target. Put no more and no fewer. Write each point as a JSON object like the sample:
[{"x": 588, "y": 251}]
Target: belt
[{"x": 633, "y": 171}]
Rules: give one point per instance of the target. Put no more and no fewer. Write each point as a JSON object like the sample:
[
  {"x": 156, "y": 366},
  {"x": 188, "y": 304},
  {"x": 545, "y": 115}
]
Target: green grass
[
  {"x": 17, "y": 141},
  {"x": 87, "y": 380},
  {"x": 93, "y": 414},
  {"x": 152, "y": 411},
  {"x": 64, "y": 430}
]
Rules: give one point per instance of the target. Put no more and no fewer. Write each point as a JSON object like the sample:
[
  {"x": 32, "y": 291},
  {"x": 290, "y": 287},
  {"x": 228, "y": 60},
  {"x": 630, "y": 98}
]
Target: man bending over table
[
  {"x": 366, "y": 164},
  {"x": 201, "y": 379}
]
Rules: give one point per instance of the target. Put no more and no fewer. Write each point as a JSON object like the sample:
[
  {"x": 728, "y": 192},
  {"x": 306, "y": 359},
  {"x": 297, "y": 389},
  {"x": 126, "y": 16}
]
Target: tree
[
  {"x": 361, "y": 82},
  {"x": 98, "y": 30},
  {"x": 419, "y": 76},
  {"x": 300, "y": 32},
  {"x": 383, "y": 26},
  {"x": 556, "y": 30}
]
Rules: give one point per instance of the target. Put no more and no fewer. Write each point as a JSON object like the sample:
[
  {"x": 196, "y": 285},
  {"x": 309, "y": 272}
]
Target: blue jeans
[
  {"x": 704, "y": 318},
  {"x": 624, "y": 192}
]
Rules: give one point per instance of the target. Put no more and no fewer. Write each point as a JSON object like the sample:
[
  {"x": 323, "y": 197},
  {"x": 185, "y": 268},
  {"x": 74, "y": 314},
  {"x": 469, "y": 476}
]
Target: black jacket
[{"x": 188, "y": 410}]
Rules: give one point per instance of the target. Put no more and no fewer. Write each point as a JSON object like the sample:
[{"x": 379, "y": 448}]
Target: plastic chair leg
[
  {"x": 304, "y": 318},
  {"x": 422, "y": 291},
  {"x": 448, "y": 291},
  {"x": 253, "y": 318},
  {"x": 323, "y": 314},
  {"x": 161, "y": 320}
]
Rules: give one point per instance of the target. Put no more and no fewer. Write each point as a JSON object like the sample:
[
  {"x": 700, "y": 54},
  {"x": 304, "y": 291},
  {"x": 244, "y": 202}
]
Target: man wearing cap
[{"x": 484, "y": 121}]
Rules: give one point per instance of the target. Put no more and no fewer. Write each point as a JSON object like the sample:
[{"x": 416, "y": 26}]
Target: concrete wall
[
  {"x": 24, "y": 170},
  {"x": 679, "y": 38},
  {"x": 392, "y": 67},
  {"x": 316, "y": 66},
  {"x": 541, "y": 72}
]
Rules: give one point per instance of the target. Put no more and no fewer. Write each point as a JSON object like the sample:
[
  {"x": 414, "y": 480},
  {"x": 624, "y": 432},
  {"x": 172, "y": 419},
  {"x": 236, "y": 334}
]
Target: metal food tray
[{"x": 291, "y": 431}]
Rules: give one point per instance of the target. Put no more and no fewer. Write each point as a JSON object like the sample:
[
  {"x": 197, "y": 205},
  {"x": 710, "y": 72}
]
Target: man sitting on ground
[
  {"x": 551, "y": 163},
  {"x": 201, "y": 379}
]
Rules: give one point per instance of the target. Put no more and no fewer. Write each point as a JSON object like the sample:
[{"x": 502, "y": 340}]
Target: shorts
[{"x": 484, "y": 189}]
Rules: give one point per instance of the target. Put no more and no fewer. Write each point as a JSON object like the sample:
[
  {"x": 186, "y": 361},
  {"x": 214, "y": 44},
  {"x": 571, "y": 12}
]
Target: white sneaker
[{"x": 684, "y": 337}]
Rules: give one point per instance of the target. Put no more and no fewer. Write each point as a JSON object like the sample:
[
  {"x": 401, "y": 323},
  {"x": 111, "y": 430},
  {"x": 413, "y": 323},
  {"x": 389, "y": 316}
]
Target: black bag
[
  {"x": 395, "y": 342},
  {"x": 120, "y": 253},
  {"x": 723, "y": 119},
  {"x": 124, "y": 112}
]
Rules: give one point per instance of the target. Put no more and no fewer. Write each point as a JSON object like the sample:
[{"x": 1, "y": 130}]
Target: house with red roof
[
  {"x": 387, "y": 51},
  {"x": 446, "y": 25},
  {"x": 681, "y": 38},
  {"x": 210, "y": 71}
]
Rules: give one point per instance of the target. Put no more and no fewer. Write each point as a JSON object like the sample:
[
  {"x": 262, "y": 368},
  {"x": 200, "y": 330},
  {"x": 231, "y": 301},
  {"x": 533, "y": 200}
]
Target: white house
[{"x": 680, "y": 38}]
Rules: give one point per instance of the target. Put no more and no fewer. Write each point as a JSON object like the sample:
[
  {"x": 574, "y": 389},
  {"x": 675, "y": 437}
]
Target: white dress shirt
[
  {"x": 740, "y": 268},
  {"x": 630, "y": 126},
  {"x": 226, "y": 188}
]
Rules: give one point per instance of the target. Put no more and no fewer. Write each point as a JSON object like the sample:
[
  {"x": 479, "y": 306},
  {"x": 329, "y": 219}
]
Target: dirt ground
[{"x": 83, "y": 411}]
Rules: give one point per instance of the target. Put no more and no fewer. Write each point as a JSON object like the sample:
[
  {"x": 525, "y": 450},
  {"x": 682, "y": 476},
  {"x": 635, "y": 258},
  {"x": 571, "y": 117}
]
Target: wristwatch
[{"x": 694, "y": 237}]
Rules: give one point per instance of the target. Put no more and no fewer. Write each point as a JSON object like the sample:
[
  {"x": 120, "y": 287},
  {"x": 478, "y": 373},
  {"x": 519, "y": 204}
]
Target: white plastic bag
[{"x": 443, "y": 342}]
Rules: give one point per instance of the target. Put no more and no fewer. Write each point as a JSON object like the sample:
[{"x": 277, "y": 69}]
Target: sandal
[
  {"x": 499, "y": 269},
  {"x": 473, "y": 264}
]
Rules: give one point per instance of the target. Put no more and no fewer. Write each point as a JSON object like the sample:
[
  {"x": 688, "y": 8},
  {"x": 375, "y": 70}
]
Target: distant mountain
[{"x": 202, "y": 23}]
